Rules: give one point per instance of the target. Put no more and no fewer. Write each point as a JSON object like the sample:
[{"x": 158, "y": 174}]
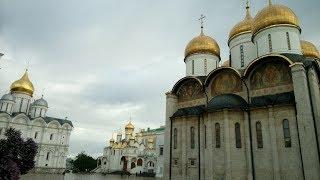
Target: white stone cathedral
[
  {"x": 19, "y": 111},
  {"x": 257, "y": 116},
  {"x": 138, "y": 152}
]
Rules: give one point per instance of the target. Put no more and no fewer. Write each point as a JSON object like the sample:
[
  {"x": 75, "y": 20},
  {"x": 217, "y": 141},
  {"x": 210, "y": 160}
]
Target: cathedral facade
[
  {"x": 20, "y": 111},
  {"x": 256, "y": 116},
  {"x": 140, "y": 152}
]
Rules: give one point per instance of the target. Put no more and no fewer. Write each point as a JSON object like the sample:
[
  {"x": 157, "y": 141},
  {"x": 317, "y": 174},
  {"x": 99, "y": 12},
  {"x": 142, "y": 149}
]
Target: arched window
[
  {"x": 288, "y": 41},
  {"x": 175, "y": 138},
  {"x": 259, "y": 135},
  {"x": 270, "y": 43},
  {"x": 205, "y": 66},
  {"x": 238, "y": 135},
  {"x": 139, "y": 162},
  {"x": 35, "y": 135},
  {"x": 286, "y": 133},
  {"x": 192, "y": 66},
  {"x": 242, "y": 55},
  {"x": 205, "y": 136},
  {"x": 217, "y": 128},
  {"x": 48, "y": 154},
  {"x": 51, "y": 136},
  {"x": 133, "y": 165},
  {"x": 192, "y": 137}
]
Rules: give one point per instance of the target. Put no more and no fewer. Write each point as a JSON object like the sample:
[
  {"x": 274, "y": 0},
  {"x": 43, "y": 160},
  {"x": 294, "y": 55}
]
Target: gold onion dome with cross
[
  {"x": 202, "y": 44},
  {"x": 129, "y": 126},
  {"x": 242, "y": 27},
  {"x": 272, "y": 16},
  {"x": 23, "y": 85}
]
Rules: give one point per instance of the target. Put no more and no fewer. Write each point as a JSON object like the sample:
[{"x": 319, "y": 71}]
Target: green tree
[
  {"x": 16, "y": 155},
  {"x": 83, "y": 163}
]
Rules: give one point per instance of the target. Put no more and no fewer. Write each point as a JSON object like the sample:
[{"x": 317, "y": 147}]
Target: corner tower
[{"x": 202, "y": 54}]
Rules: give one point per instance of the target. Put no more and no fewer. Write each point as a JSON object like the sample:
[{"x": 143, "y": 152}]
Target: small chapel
[{"x": 254, "y": 116}]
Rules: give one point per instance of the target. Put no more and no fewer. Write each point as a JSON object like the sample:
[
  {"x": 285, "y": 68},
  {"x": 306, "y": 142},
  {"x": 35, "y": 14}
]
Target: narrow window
[
  {"x": 205, "y": 66},
  {"x": 48, "y": 154},
  {"x": 20, "y": 105},
  {"x": 259, "y": 135},
  {"x": 1, "y": 131},
  {"x": 242, "y": 55},
  {"x": 161, "y": 151},
  {"x": 257, "y": 49},
  {"x": 175, "y": 138},
  {"x": 270, "y": 43},
  {"x": 288, "y": 40},
  {"x": 51, "y": 136},
  {"x": 192, "y": 67},
  {"x": 217, "y": 128},
  {"x": 286, "y": 133},
  {"x": 205, "y": 136},
  {"x": 238, "y": 135},
  {"x": 1, "y": 106},
  {"x": 35, "y": 135},
  {"x": 7, "y": 107},
  {"x": 192, "y": 137}
]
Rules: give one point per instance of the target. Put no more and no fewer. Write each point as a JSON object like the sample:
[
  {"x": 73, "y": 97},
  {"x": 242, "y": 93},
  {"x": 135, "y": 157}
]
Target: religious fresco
[
  {"x": 270, "y": 75},
  {"x": 225, "y": 83},
  {"x": 190, "y": 90}
]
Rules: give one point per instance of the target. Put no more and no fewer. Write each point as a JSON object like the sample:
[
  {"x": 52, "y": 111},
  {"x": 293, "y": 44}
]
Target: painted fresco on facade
[
  {"x": 226, "y": 82},
  {"x": 190, "y": 90},
  {"x": 270, "y": 75}
]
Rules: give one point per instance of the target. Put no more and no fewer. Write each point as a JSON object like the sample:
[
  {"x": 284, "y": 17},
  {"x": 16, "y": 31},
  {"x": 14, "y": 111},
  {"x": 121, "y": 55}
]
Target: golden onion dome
[
  {"x": 129, "y": 126},
  {"x": 23, "y": 85},
  {"x": 274, "y": 15},
  {"x": 242, "y": 27},
  {"x": 226, "y": 63},
  {"x": 202, "y": 44},
  {"x": 309, "y": 49}
]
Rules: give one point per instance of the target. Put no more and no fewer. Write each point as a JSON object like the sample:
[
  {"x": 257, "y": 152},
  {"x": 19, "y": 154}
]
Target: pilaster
[
  {"x": 227, "y": 145},
  {"x": 248, "y": 145},
  {"x": 305, "y": 121},
  {"x": 171, "y": 107},
  {"x": 274, "y": 146}
]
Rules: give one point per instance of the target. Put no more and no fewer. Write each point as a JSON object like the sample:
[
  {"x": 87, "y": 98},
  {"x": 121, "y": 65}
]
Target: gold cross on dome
[{"x": 201, "y": 19}]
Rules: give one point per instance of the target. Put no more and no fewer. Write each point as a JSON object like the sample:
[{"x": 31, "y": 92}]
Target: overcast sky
[{"x": 98, "y": 61}]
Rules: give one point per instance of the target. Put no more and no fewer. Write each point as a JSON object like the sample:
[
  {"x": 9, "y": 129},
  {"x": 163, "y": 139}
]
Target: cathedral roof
[
  {"x": 274, "y": 15},
  {"x": 8, "y": 97},
  {"x": 40, "y": 102},
  {"x": 309, "y": 49},
  {"x": 23, "y": 85},
  {"x": 202, "y": 44},
  {"x": 189, "y": 111},
  {"x": 242, "y": 27},
  {"x": 229, "y": 101}
]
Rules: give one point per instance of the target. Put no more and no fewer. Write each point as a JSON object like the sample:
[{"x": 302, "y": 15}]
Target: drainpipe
[{"x": 250, "y": 130}]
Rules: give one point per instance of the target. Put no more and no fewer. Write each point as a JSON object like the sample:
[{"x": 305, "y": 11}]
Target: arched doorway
[
  {"x": 124, "y": 162},
  {"x": 139, "y": 163}
]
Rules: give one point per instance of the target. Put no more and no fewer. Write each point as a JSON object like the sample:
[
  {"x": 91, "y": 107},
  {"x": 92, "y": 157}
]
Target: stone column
[
  {"x": 274, "y": 146},
  {"x": 171, "y": 107},
  {"x": 305, "y": 121},
  {"x": 227, "y": 152},
  {"x": 248, "y": 145},
  {"x": 315, "y": 98}
]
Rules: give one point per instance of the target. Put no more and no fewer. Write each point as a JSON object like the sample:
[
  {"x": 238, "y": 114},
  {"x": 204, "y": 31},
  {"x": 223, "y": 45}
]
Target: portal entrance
[{"x": 124, "y": 162}]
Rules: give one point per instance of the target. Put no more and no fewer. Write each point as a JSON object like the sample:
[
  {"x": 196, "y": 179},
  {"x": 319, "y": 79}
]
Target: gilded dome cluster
[
  {"x": 202, "y": 44},
  {"x": 23, "y": 85}
]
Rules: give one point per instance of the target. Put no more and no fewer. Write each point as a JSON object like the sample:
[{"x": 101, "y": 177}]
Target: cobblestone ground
[{"x": 82, "y": 177}]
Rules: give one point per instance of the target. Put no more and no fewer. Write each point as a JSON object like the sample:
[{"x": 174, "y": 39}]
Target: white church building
[
  {"x": 139, "y": 152},
  {"x": 20, "y": 111}
]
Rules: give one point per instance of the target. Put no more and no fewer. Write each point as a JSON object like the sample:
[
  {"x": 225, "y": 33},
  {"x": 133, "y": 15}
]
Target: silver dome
[
  {"x": 8, "y": 97},
  {"x": 40, "y": 102}
]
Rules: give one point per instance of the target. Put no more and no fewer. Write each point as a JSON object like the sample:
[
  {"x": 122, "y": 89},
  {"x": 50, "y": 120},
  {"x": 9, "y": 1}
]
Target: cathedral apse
[
  {"x": 225, "y": 83},
  {"x": 270, "y": 75}
]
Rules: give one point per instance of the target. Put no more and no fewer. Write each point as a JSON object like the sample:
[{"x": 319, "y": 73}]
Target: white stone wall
[
  {"x": 249, "y": 51},
  {"x": 279, "y": 40},
  {"x": 22, "y": 102},
  {"x": 199, "y": 64},
  {"x": 57, "y": 147}
]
